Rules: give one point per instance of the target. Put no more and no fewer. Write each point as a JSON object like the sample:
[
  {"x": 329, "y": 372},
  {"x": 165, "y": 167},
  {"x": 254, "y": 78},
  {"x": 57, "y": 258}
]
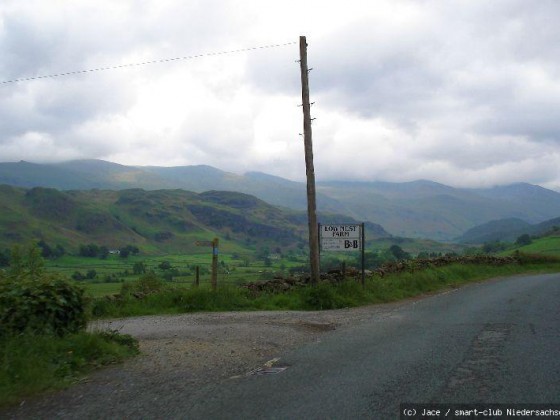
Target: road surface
[{"x": 490, "y": 342}]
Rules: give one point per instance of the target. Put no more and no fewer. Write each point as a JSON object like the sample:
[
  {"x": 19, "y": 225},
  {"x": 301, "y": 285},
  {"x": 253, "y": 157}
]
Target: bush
[
  {"x": 523, "y": 240},
  {"x": 49, "y": 305},
  {"x": 34, "y": 302},
  {"x": 147, "y": 284}
]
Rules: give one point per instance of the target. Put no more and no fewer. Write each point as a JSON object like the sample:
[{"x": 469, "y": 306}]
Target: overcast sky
[{"x": 466, "y": 93}]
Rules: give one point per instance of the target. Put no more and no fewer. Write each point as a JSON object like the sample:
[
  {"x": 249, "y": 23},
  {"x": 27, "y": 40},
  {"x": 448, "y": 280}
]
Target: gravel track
[{"x": 182, "y": 353}]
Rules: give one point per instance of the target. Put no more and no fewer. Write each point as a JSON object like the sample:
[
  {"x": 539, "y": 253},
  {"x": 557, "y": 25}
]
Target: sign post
[
  {"x": 215, "y": 263},
  {"x": 214, "y": 245},
  {"x": 344, "y": 237}
]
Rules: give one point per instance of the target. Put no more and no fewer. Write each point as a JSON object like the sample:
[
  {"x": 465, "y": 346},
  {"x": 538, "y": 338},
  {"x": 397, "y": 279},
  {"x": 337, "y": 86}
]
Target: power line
[{"x": 164, "y": 60}]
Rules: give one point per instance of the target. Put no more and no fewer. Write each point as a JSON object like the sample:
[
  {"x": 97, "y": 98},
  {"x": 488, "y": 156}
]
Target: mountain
[
  {"x": 157, "y": 220},
  {"x": 436, "y": 211},
  {"x": 419, "y": 209},
  {"x": 552, "y": 225},
  {"x": 26, "y": 174},
  {"x": 272, "y": 189},
  {"x": 507, "y": 230},
  {"x": 496, "y": 230}
]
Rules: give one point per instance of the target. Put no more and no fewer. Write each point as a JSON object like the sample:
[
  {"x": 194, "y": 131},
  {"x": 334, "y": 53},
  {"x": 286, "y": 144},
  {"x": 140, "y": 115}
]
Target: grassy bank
[
  {"x": 324, "y": 296},
  {"x": 30, "y": 363}
]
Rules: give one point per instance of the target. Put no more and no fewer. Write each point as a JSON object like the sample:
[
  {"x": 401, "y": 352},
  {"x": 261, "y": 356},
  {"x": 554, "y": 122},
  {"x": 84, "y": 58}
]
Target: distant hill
[
  {"x": 431, "y": 210},
  {"x": 418, "y": 209},
  {"x": 507, "y": 230},
  {"x": 496, "y": 230},
  {"x": 157, "y": 221}
]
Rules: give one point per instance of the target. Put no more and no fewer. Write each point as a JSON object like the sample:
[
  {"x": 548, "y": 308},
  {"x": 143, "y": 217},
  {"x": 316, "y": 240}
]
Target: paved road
[{"x": 490, "y": 342}]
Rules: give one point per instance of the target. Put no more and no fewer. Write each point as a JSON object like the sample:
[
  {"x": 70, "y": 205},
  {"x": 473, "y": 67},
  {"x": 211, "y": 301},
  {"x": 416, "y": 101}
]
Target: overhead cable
[{"x": 164, "y": 60}]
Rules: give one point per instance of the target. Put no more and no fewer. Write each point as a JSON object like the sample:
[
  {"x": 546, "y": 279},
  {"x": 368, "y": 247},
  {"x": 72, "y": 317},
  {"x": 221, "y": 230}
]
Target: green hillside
[
  {"x": 507, "y": 230},
  {"x": 159, "y": 221},
  {"x": 495, "y": 230},
  {"x": 419, "y": 209},
  {"x": 548, "y": 245}
]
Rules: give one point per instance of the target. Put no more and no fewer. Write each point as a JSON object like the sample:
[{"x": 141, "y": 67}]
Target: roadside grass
[
  {"x": 350, "y": 293},
  {"x": 30, "y": 363}
]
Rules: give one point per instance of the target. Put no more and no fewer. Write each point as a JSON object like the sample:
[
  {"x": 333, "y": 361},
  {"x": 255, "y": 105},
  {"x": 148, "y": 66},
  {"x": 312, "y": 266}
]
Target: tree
[
  {"x": 523, "y": 240},
  {"x": 4, "y": 258},
  {"x": 78, "y": 276},
  {"x": 59, "y": 251},
  {"x": 133, "y": 249},
  {"x": 17, "y": 263},
  {"x": 89, "y": 250},
  {"x": 263, "y": 253},
  {"x": 399, "y": 253},
  {"x": 139, "y": 268},
  {"x": 164, "y": 265},
  {"x": 103, "y": 252},
  {"x": 46, "y": 251},
  {"x": 373, "y": 260},
  {"x": 26, "y": 263},
  {"x": 492, "y": 247},
  {"x": 35, "y": 264},
  {"x": 125, "y": 251}
]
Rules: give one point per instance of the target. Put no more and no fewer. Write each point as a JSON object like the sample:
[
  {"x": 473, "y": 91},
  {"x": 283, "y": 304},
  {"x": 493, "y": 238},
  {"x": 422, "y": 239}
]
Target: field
[
  {"x": 110, "y": 273},
  {"x": 549, "y": 245},
  {"x": 105, "y": 276}
]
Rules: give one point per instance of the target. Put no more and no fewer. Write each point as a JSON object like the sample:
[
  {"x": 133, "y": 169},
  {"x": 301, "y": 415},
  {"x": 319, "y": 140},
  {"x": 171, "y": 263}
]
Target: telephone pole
[{"x": 309, "y": 168}]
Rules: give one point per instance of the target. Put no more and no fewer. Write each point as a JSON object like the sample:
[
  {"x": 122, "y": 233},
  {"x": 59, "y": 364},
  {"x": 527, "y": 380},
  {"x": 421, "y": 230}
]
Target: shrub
[
  {"x": 48, "y": 305},
  {"x": 145, "y": 285},
  {"x": 32, "y": 301},
  {"x": 524, "y": 239}
]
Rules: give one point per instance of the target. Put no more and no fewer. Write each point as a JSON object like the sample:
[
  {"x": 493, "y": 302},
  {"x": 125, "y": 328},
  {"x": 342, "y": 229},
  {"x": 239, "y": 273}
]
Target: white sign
[{"x": 340, "y": 237}]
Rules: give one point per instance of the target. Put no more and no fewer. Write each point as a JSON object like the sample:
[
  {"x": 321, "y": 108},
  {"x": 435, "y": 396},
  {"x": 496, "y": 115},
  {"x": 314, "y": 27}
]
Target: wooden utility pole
[{"x": 310, "y": 170}]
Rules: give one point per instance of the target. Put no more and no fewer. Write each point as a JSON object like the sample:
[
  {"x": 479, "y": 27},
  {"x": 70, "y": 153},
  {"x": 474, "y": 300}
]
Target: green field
[
  {"x": 549, "y": 245},
  {"x": 233, "y": 269}
]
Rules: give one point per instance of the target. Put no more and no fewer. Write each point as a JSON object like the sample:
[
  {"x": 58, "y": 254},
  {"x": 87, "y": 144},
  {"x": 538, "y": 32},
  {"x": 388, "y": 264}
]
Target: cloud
[{"x": 460, "y": 92}]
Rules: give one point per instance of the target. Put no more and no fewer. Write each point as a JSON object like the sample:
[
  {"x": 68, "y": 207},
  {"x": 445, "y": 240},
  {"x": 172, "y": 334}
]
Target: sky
[{"x": 461, "y": 92}]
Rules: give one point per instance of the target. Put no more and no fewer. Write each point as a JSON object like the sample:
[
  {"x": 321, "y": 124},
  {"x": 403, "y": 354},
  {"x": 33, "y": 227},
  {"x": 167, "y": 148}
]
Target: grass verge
[
  {"x": 346, "y": 294},
  {"x": 31, "y": 363}
]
